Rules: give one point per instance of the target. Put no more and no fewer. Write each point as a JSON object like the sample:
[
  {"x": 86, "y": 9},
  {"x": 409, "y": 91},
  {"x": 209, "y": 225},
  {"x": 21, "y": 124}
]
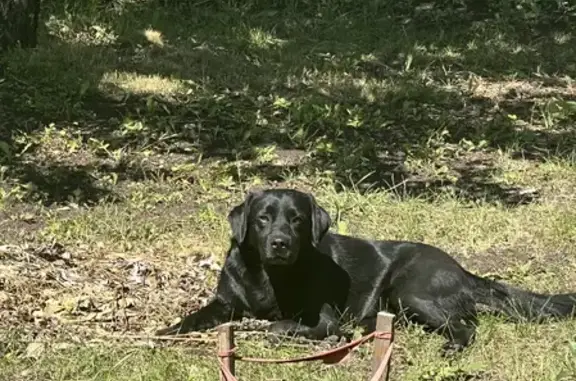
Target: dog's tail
[{"x": 520, "y": 304}]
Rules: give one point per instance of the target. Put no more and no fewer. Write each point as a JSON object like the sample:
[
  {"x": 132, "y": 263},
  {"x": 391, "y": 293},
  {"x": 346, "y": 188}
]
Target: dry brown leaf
[{"x": 35, "y": 350}]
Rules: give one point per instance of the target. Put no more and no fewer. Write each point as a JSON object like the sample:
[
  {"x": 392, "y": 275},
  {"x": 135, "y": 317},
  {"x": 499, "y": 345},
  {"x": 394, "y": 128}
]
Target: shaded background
[{"x": 411, "y": 96}]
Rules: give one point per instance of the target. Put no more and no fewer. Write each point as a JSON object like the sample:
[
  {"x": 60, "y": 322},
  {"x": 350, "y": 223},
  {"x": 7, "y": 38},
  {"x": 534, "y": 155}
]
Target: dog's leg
[
  {"x": 455, "y": 320},
  {"x": 328, "y": 325},
  {"x": 459, "y": 335},
  {"x": 213, "y": 314}
]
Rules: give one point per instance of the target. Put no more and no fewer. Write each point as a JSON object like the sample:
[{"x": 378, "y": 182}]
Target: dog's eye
[
  {"x": 297, "y": 220},
  {"x": 263, "y": 218}
]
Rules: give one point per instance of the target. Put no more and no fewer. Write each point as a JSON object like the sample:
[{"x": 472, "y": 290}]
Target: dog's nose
[
  {"x": 279, "y": 248},
  {"x": 279, "y": 243}
]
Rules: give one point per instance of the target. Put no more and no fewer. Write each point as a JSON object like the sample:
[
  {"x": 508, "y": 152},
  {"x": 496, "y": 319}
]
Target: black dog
[{"x": 285, "y": 267}]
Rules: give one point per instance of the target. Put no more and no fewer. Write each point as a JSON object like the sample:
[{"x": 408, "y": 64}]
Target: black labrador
[{"x": 284, "y": 266}]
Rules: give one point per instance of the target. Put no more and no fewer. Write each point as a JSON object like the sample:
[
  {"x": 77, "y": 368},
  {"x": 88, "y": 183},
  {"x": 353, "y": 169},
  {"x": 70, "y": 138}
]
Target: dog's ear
[
  {"x": 321, "y": 221},
  {"x": 238, "y": 218}
]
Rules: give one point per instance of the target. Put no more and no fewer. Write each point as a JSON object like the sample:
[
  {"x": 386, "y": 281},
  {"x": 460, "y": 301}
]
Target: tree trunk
[{"x": 18, "y": 23}]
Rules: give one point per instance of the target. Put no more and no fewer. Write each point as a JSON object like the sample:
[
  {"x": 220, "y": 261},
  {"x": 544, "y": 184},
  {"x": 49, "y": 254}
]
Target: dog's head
[{"x": 279, "y": 224}]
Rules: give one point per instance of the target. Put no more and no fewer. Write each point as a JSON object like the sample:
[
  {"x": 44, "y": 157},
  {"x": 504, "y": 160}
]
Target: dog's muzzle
[{"x": 279, "y": 248}]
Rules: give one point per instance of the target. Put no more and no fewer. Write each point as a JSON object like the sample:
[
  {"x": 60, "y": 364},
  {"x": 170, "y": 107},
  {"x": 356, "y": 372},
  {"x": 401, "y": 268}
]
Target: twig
[
  {"x": 165, "y": 338},
  {"x": 19, "y": 80}
]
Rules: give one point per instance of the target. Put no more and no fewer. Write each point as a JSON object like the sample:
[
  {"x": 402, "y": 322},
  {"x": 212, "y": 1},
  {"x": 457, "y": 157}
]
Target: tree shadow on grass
[
  {"x": 58, "y": 184},
  {"x": 362, "y": 92}
]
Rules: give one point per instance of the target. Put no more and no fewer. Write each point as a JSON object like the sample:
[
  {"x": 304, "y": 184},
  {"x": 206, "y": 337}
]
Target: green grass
[{"x": 134, "y": 127}]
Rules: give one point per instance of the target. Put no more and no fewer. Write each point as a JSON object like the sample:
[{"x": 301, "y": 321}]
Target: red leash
[{"x": 332, "y": 356}]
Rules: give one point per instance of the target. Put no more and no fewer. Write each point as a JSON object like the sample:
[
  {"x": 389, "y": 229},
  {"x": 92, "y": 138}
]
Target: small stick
[
  {"x": 384, "y": 324},
  {"x": 166, "y": 338},
  {"x": 226, "y": 345}
]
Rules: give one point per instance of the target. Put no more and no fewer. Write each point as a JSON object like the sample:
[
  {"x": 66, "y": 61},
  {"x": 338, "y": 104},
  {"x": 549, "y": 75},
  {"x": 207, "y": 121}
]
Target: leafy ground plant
[{"x": 132, "y": 129}]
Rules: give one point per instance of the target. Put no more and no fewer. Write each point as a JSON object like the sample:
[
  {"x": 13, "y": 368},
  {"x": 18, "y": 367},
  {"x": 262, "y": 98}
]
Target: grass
[{"x": 132, "y": 129}]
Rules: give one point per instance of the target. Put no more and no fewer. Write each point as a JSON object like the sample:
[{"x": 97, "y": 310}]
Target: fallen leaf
[{"x": 35, "y": 350}]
